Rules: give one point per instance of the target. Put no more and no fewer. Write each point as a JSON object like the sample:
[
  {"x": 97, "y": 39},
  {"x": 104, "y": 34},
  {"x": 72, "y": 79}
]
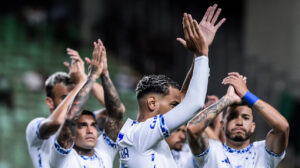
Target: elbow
[
  {"x": 191, "y": 130},
  {"x": 285, "y": 128}
]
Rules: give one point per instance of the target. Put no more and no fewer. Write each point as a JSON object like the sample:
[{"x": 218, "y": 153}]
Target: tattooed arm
[
  {"x": 67, "y": 132},
  {"x": 198, "y": 140},
  {"x": 277, "y": 138},
  {"x": 114, "y": 107}
]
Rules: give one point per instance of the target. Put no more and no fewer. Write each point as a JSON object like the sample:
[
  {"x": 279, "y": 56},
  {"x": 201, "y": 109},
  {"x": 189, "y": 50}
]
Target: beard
[{"x": 238, "y": 138}]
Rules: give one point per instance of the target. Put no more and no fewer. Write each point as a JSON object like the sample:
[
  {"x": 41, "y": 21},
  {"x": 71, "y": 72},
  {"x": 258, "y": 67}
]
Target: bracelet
[{"x": 250, "y": 98}]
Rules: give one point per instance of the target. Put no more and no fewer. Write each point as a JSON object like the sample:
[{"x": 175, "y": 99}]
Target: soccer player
[
  {"x": 78, "y": 143},
  {"x": 142, "y": 142},
  {"x": 60, "y": 89},
  {"x": 237, "y": 151}
]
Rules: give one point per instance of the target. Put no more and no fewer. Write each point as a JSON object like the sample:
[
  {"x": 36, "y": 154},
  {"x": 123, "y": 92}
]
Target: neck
[
  {"x": 84, "y": 152},
  {"x": 237, "y": 144}
]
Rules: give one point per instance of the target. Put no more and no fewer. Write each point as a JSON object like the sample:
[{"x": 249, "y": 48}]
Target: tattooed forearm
[
  {"x": 206, "y": 116},
  {"x": 68, "y": 130},
  {"x": 259, "y": 106},
  {"x": 80, "y": 99},
  {"x": 114, "y": 106},
  {"x": 113, "y": 103},
  {"x": 65, "y": 137}
]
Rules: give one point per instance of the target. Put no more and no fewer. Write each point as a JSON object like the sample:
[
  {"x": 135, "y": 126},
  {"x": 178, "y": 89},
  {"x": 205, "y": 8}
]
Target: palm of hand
[{"x": 208, "y": 32}]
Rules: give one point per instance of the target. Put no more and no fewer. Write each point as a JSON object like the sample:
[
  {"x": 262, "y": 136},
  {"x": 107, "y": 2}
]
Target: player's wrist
[{"x": 250, "y": 98}]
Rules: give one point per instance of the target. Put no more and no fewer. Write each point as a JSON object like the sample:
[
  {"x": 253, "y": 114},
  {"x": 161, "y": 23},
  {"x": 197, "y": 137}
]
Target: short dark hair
[
  {"x": 244, "y": 103},
  {"x": 87, "y": 112},
  {"x": 155, "y": 84},
  {"x": 57, "y": 77}
]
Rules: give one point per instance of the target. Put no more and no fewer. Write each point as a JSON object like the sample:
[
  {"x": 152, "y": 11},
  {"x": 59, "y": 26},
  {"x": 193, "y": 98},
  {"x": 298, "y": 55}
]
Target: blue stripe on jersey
[
  {"x": 37, "y": 132},
  {"x": 120, "y": 136},
  {"x": 152, "y": 125},
  {"x": 203, "y": 153},
  {"x": 163, "y": 126},
  {"x": 272, "y": 153},
  {"x": 61, "y": 149},
  {"x": 40, "y": 158},
  {"x": 109, "y": 141}
]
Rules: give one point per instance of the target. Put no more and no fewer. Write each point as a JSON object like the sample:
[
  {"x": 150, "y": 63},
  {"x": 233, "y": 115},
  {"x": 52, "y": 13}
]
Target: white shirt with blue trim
[
  {"x": 184, "y": 157},
  {"x": 39, "y": 149},
  {"x": 220, "y": 155},
  {"x": 105, "y": 152},
  {"x": 143, "y": 145}
]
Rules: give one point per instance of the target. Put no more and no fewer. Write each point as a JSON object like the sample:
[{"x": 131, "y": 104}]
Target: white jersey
[
  {"x": 39, "y": 149},
  {"x": 184, "y": 157},
  {"x": 103, "y": 157},
  {"x": 256, "y": 155},
  {"x": 143, "y": 145},
  {"x": 137, "y": 147}
]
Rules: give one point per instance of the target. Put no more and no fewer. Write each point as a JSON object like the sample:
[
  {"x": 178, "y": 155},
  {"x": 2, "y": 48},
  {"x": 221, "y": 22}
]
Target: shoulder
[
  {"x": 127, "y": 130},
  {"x": 33, "y": 126}
]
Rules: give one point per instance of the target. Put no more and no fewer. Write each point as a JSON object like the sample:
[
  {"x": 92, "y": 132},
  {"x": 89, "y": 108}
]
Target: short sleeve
[
  {"x": 201, "y": 160},
  {"x": 272, "y": 158},
  {"x": 59, "y": 156},
  {"x": 32, "y": 132},
  {"x": 107, "y": 148}
]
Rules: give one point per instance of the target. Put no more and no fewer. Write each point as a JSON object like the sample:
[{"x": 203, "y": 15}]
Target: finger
[
  {"x": 189, "y": 27},
  {"x": 100, "y": 42},
  {"x": 194, "y": 28},
  {"x": 75, "y": 58},
  {"x": 220, "y": 23},
  {"x": 235, "y": 74},
  {"x": 185, "y": 26},
  {"x": 197, "y": 29},
  {"x": 215, "y": 18},
  {"x": 88, "y": 60},
  {"x": 211, "y": 13},
  {"x": 245, "y": 79},
  {"x": 181, "y": 41},
  {"x": 206, "y": 14},
  {"x": 67, "y": 64}
]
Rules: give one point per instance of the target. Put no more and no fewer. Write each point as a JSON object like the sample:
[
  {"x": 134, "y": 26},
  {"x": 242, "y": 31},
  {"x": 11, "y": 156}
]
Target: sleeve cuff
[
  {"x": 108, "y": 141},
  {"x": 62, "y": 150},
  {"x": 274, "y": 154},
  {"x": 203, "y": 153},
  {"x": 37, "y": 131},
  {"x": 201, "y": 58}
]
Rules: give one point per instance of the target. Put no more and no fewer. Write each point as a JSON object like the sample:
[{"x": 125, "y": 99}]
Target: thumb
[
  {"x": 180, "y": 40},
  {"x": 87, "y": 60},
  {"x": 67, "y": 64}
]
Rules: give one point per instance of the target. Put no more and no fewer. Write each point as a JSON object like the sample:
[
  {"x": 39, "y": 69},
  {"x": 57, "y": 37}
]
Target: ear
[
  {"x": 50, "y": 103},
  {"x": 253, "y": 127},
  {"x": 152, "y": 103},
  {"x": 222, "y": 124}
]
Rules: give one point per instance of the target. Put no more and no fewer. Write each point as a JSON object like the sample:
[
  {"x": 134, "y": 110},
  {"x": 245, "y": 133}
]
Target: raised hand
[
  {"x": 76, "y": 68},
  {"x": 238, "y": 82},
  {"x": 96, "y": 64},
  {"x": 207, "y": 24},
  {"x": 194, "y": 39}
]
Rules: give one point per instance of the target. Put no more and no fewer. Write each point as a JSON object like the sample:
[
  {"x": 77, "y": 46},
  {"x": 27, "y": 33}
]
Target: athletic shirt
[
  {"x": 184, "y": 157},
  {"x": 143, "y": 145},
  {"x": 255, "y": 155},
  {"x": 39, "y": 149},
  {"x": 104, "y": 153}
]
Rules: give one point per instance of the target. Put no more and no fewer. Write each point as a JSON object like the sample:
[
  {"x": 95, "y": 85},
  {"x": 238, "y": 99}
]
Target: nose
[
  {"x": 89, "y": 130},
  {"x": 239, "y": 121},
  {"x": 183, "y": 136}
]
